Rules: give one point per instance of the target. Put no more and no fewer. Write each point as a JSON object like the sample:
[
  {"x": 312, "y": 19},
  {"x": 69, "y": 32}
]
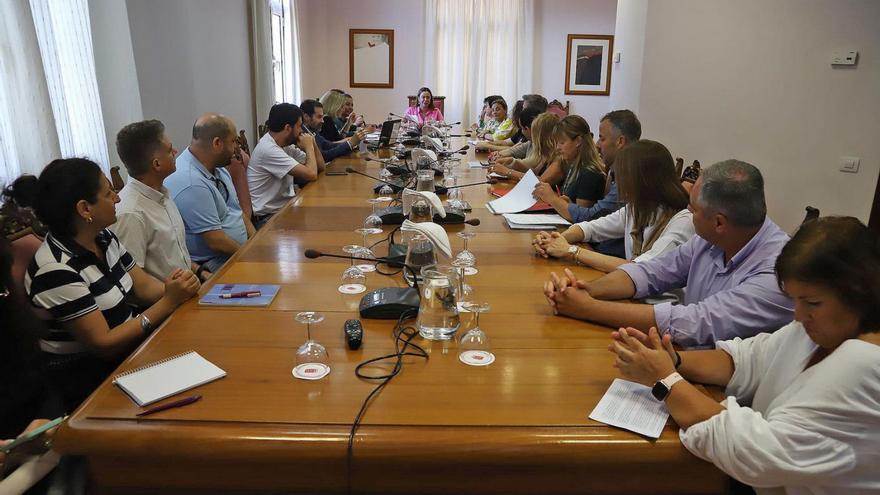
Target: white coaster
[
  {"x": 366, "y": 268},
  {"x": 352, "y": 288},
  {"x": 384, "y": 198},
  {"x": 476, "y": 358},
  {"x": 470, "y": 270},
  {"x": 311, "y": 371}
]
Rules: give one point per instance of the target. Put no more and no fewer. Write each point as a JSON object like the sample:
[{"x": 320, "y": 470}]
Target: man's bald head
[{"x": 210, "y": 126}]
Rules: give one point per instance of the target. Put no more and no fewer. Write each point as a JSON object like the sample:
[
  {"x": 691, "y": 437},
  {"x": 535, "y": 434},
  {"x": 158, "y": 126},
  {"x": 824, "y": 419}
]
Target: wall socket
[{"x": 850, "y": 164}]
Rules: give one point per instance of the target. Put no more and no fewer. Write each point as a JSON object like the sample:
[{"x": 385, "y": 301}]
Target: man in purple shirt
[{"x": 728, "y": 269}]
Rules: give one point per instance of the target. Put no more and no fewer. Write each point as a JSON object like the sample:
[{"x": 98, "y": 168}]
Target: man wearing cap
[{"x": 272, "y": 170}]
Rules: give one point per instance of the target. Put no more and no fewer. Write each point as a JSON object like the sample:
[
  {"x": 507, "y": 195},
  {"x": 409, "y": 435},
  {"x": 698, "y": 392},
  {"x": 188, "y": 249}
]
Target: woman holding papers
[
  {"x": 803, "y": 408},
  {"x": 584, "y": 172},
  {"x": 424, "y": 111},
  {"x": 87, "y": 281},
  {"x": 654, "y": 220},
  {"x": 542, "y": 157}
]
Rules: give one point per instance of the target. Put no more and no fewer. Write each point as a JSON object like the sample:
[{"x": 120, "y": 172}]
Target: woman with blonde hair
[
  {"x": 584, "y": 172},
  {"x": 655, "y": 219},
  {"x": 332, "y": 101},
  {"x": 542, "y": 157}
]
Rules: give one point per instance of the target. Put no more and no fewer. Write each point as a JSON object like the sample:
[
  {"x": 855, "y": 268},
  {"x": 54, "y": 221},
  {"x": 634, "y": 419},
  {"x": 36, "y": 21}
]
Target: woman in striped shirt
[{"x": 88, "y": 283}]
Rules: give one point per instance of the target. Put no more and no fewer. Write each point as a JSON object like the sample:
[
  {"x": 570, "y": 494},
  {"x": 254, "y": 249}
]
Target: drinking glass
[
  {"x": 373, "y": 220},
  {"x": 465, "y": 255},
  {"x": 364, "y": 251},
  {"x": 353, "y": 279},
  {"x": 474, "y": 348},
  {"x": 312, "y": 360}
]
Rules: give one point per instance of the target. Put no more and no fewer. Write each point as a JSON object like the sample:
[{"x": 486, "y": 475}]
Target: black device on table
[{"x": 354, "y": 334}]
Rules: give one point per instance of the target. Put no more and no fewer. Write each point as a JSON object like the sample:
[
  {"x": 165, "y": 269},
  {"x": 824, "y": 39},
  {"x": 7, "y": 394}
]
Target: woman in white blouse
[
  {"x": 654, "y": 220},
  {"x": 802, "y": 414}
]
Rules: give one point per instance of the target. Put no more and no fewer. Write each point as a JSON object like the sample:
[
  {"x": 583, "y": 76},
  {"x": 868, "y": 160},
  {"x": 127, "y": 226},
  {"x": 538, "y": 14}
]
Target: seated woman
[
  {"x": 347, "y": 122},
  {"x": 424, "y": 111},
  {"x": 802, "y": 413},
  {"x": 542, "y": 158},
  {"x": 333, "y": 100},
  {"x": 501, "y": 125},
  {"x": 515, "y": 134},
  {"x": 87, "y": 281},
  {"x": 584, "y": 171},
  {"x": 487, "y": 117},
  {"x": 655, "y": 219}
]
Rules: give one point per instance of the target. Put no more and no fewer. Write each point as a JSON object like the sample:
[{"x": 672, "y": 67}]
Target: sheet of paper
[
  {"x": 631, "y": 406},
  {"x": 535, "y": 219},
  {"x": 475, "y": 164},
  {"x": 519, "y": 198}
]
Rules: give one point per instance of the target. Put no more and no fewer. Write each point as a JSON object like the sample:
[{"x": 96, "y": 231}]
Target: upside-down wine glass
[
  {"x": 312, "y": 360},
  {"x": 353, "y": 279},
  {"x": 474, "y": 348},
  {"x": 364, "y": 251},
  {"x": 465, "y": 254}
]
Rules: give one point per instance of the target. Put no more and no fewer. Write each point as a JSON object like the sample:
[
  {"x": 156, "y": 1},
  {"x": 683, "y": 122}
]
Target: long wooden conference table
[{"x": 519, "y": 425}]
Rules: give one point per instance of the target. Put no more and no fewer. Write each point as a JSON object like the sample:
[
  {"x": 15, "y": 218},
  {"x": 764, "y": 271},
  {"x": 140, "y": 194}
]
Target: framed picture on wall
[
  {"x": 588, "y": 64},
  {"x": 371, "y": 58}
]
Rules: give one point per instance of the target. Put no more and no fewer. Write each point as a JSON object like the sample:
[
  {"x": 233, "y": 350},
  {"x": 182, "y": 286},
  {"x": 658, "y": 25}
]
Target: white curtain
[
  {"x": 65, "y": 38},
  {"x": 28, "y": 140},
  {"x": 264, "y": 81},
  {"x": 477, "y": 48}
]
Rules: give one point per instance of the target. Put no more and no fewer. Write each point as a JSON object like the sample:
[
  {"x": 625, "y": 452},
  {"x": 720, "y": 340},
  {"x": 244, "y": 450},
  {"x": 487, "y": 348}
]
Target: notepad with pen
[
  {"x": 240, "y": 295},
  {"x": 161, "y": 379}
]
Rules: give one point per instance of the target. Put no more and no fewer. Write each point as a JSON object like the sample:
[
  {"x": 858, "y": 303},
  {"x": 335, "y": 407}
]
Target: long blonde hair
[
  {"x": 588, "y": 156},
  {"x": 543, "y": 148},
  {"x": 332, "y": 101}
]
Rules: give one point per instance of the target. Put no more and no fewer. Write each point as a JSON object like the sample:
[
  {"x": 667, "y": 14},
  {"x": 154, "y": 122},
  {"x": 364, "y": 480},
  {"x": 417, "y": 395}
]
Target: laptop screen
[{"x": 390, "y": 128}]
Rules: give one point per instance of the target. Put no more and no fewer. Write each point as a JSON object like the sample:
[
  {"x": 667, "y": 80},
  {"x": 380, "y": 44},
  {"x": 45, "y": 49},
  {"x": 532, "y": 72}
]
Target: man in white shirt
[
  {"x": 272, "y": 168},
  {"x": 148, "y": 222}
]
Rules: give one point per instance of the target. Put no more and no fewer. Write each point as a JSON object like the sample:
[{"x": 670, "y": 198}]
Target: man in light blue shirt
[
  {"x": 203, "y": 191},
  {"x": 728, "y": 269}
]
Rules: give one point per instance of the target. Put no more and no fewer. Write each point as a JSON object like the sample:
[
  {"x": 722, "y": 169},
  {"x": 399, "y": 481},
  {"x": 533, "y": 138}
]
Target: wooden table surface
[{"x": 519, "y": 425}]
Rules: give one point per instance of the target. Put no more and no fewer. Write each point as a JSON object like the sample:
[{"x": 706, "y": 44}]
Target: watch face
[{"x": 660, "y": 391}]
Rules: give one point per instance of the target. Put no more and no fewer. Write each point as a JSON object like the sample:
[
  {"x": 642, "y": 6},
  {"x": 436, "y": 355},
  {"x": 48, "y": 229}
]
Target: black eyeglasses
[{"x": 221, "y": 186}]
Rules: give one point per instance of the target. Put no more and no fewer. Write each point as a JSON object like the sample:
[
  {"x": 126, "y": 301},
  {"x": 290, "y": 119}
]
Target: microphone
[
  {"x": 460, "y": 151},
  {"x": 473, "y": 222},
  {"x": 488, "y": 181},
  {"x": 314, "y": 253},
  {"x": 459, "y": 135},
  {"x": 396, "y": 187}
]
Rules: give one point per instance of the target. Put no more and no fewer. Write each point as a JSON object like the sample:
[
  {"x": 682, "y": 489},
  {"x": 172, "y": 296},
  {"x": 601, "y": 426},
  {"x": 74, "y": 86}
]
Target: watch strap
[{"x": 671, "y": 380}]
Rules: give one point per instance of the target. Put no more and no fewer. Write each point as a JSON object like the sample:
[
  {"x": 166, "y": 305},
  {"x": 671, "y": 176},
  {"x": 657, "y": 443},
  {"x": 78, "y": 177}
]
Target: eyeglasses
[{"x": 221, "y": 186}]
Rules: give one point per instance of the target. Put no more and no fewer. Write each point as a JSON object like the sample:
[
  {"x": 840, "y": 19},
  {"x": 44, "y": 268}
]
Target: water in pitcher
[{"x": 438, "y": 309}]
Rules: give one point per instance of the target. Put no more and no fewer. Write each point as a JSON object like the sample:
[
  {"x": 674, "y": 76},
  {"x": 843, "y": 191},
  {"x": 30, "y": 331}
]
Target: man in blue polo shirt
[{"x": 203, "y": 192}]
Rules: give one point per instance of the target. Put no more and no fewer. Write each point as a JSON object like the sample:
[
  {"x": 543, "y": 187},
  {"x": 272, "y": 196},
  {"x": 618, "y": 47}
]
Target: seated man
[
  {"x": 272, "y": 170},
  {"x": 728, "y": 269},
  {"x": 313, "y": 121},
  {"x": 147, "y": 221},
  {"x": 203, "y": 192}
]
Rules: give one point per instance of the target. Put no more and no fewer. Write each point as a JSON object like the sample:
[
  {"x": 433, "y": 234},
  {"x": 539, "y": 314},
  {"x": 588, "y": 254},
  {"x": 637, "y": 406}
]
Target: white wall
[
  {"x": 115, "y": 70},
  {"x": 192, "y": 57},
  {"x": 324, "y": 26},
  {"x": 554, "y": 21},
  {"x": 752, "y": 79},
  {"x": 629, "y": 42}
]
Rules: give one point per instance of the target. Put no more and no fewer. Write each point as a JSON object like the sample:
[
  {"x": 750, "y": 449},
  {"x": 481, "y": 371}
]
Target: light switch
[
  {"x": 850, "y": 164},
  {"x": 617, "y": 58}
]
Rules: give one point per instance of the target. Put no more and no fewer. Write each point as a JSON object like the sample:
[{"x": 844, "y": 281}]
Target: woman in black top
[{"x": 584, "y": 171}]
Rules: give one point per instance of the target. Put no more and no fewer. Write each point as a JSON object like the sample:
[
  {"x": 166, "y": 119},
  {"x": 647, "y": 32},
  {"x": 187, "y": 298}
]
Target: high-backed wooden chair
[
  {"x": 116, "y": 179},
  {"x": 559, "y": 109},
  {"x": 811, "y": 214},
  {"x": 439, "y": 102}
]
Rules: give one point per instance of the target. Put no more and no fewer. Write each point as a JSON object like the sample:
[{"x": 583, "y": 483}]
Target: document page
[
  {"x": 631, "y": 406},
  {"x": 519, "y": 198}
]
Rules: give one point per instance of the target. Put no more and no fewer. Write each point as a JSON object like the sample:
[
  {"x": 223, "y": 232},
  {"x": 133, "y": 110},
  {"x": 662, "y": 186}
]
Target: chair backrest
[
  {"x": 116, "y": 179},
  {"x": 811, "y": 214},
  {"x": 559, "y": 109},
  {"x": 243, "y": 142},
  {"x": 439, "y": 102}
]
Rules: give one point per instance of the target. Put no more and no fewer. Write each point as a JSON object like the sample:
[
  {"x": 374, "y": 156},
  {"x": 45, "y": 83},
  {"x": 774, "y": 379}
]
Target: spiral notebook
[{"x": 162, "y": 379}]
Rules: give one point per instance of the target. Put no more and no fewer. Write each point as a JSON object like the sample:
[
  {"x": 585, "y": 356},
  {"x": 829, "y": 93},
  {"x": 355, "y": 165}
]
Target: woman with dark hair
[
  {"x": 87, "y": 282},
  {"x": 424, "y": 111},
  {"x": 803, "y": 408},
  {"x": 513, "y": 136},
  {"x": 655, "y": 219}
]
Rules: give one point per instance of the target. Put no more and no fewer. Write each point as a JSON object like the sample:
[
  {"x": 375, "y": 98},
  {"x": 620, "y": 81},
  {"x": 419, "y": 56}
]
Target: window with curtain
[
  {"x": 477, "y": 48},
  {"x": 49, "y": 101},
  {"x": 285, "y": 51}
]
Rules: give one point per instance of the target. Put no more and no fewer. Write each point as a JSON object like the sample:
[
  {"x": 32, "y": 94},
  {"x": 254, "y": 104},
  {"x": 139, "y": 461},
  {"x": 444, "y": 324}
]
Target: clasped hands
[
  {"x": 568, "y": 295},
  {"x": 642, "y": 358},
  {"x": 547, "y": 244}
]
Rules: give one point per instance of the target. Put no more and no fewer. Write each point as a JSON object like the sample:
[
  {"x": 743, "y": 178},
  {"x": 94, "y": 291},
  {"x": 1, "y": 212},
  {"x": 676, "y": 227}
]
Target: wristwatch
[
  {"x": 573, "y": 251},
  {"x": 146, "y": 325},
  {"x": 662, "y": 388}
]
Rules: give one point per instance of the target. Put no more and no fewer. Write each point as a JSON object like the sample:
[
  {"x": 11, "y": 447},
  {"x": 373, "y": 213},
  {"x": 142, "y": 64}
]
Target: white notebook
[{"x": 167, "y": 377}]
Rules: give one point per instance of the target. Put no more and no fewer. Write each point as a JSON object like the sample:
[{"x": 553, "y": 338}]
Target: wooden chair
[
  {"x": 439, "y": 102},
  {"x": 679, "y": 166},
  {"x": 243, "y": 142},
  {"x": 559, "y": 109},
  {"x": 811, "y": 214},
  {"x": 116, "y": 179}
]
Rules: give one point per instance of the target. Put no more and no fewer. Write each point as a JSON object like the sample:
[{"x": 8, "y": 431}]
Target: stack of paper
[
  {"x": 631, "y": 406},
  {"x": 518, "y": 199},
  {"x": 476, "y": 164},
  {"x": 532, "y": 221}
]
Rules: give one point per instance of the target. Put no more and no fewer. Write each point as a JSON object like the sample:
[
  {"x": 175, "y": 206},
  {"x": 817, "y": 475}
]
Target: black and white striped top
[{"x": 70, "y": 281}]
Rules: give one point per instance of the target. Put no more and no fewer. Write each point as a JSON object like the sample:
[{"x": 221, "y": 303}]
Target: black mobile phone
[{"x": 335, "y": 171}]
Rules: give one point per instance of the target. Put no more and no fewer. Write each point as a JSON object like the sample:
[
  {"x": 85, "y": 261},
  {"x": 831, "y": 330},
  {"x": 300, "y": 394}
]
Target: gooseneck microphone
[
  {"x": 488, "y": 181},
  {"x": 460, "y": 151},
  {"x": 396, "y": 187}
]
